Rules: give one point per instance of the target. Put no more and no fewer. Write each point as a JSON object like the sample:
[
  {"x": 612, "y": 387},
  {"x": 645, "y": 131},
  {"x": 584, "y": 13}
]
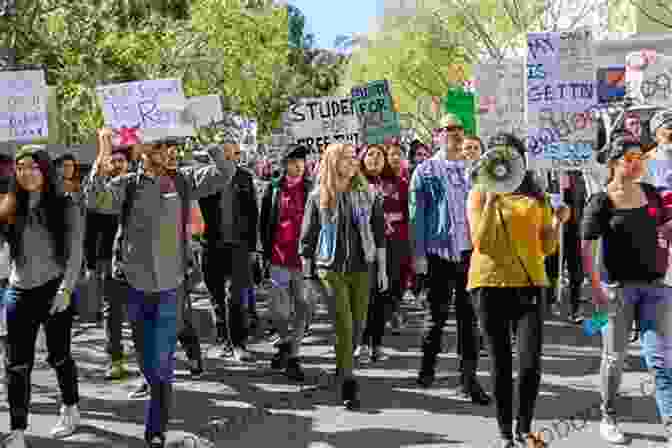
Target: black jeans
[
  {"x": 448, "y": 278},
  {"x": 499, "y": 310},
  {"x": 572, "y": 256},
  {"x": 27, "y": 309},
  {"x": 99, "y": 237},
  {"x": 222, "y": 265},
  {"x": 115, "y": 294}
]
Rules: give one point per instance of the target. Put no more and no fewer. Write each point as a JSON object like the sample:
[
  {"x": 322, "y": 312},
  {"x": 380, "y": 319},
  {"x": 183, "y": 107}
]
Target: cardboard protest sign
[
  {"x": 461, "y": 104},
  {"x": 23, "y": 106},
  {"x": 501, "y": 96},
  {"x": 561, "y": 93},
  {"x": 375, "y": 108},
  {"x": 205, "y": 110},
  {"x": 648, "y": 78},
  {"x": 316, "y": 122},
  {"x": 157, "y": 107}
]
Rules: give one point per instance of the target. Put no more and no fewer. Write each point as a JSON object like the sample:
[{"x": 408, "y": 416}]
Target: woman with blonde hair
[{"x": 343, "y": 233}]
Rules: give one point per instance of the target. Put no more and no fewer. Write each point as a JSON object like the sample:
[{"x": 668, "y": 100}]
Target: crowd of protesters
[{"x": 358, "y": 232}]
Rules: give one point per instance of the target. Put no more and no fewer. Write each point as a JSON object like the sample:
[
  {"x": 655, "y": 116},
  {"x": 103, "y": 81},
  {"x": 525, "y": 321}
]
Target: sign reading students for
[
  {"x": 157, "y": 107},
  {"x": 374, "y": 107},
  {"x": 316, "y": 122},
  {"x": 23, "y": 105},
  {"x": 561, "y": 93}
]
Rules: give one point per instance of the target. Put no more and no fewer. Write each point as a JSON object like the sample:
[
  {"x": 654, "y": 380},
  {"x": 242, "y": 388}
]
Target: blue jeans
[
  {"x": 153, "y": 317},
  {"x": 654, "y": 303}
]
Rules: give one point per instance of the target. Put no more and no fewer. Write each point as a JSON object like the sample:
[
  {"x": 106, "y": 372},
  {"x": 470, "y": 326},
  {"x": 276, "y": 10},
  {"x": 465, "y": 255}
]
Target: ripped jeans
[
  {"x": 27, "y": 309},
  {"x": 654, "y": 302},
  {"x": 153, "y": 318}
]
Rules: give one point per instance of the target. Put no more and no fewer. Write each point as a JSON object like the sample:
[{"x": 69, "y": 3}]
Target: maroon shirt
[
  {"x": 291, "y": 203},
  {"x": 395, "y": 206}
]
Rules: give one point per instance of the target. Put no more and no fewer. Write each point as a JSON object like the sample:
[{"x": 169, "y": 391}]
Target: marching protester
[
  {"x": 101, "y": 229},
  {"x": 438, "y": 196},
  {"x": 630, "y": 217},
  {"x": 230, "y": 237},
  {"x": 154, "y": 208},
  {"x": 472, "y": 147},
  {"x": 341, "y": 236},
  {"x": 417, "y": 153},
  {"x": 512, "y": 234},
  {"x": 44, "y": 235},
  {"x": 281, "y": 217}
]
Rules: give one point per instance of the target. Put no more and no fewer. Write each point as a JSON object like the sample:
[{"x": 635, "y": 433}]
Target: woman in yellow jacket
[{"x": 512, "y": 234}]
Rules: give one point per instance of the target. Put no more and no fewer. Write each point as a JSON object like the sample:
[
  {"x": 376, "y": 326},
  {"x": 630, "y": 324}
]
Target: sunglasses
[{"x": 633, "y": 157}]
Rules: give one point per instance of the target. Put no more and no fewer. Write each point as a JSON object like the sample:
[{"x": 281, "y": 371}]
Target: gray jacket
[{"x": 152, "y": 253}]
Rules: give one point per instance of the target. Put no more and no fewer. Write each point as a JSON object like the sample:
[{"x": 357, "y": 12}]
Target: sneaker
[
  {"x": 116, "y": 371},
  {"x": 378, "y": 355},
  {"x": 363, "y": 354},
  {"x": 223, "y": 351},
  {"x": 241, "y": 355},
  {"x": 610, "y": 432},
  {"x": 141, "y": 392},
  {"x": 156, "y": 442},
  {"x": 15, "y": 439},
  {"x": 196, "y": 368},
  {"x": 68, "y": 422}
]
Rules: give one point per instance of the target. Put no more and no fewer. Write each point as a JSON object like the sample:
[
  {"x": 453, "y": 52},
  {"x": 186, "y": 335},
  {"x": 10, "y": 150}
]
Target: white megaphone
[{"x": 499, "y": 170}]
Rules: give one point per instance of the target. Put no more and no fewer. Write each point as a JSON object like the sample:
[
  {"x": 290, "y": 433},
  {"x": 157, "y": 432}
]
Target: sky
[{"x": 327, "y": 19}]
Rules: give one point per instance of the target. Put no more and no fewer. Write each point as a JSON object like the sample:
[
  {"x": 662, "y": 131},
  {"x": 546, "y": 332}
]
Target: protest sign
[
  {"x": 243, "y": 130},
  {"x": 205, "y": 110},
  {"x": 561, "y": 92},
  {"x": 316, "y": 122},
  {"x": 376, "y": 112},
  {"x": 23, "y": 105},
  {"x": 648, "y": 78},
  {"x": 461, "y": 104},
  {"x": 501, "y": 96},
  {"x": 157, "y": 107}
]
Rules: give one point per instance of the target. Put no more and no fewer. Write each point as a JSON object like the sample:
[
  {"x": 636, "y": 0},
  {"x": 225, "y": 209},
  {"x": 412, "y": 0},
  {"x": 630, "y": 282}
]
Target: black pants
[
  {"x": 499, "y": 310},
  {"x": 222, "y": 265},
  {"x": 99, "y": 237},
  {"x": 572, "y": 256},
  {"x": 447, "y": 278},
  {"x": 27, "y": 309}
]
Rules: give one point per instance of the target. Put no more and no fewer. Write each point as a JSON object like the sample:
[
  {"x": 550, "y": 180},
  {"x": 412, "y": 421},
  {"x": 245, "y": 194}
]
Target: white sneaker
[
  {"x": 15, "y": 439},
  {"x": 610, "y": 432},
  {"x": 68, "y": 422},
  {"x": 365, "y": 355}
]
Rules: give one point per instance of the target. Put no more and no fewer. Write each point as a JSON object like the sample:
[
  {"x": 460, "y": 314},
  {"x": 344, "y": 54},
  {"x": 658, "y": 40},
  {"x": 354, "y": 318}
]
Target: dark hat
[{"x": 295, "y": 152}]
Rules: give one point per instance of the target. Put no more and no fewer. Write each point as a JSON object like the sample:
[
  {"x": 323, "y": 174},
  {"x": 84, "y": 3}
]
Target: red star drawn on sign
[{"x": 128, "y": 136}]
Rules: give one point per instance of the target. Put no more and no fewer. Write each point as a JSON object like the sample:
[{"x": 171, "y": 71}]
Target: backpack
[{"x": 192, "y": 274}]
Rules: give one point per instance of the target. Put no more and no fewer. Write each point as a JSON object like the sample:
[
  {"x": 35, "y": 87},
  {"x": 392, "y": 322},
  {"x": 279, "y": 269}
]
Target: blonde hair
[{"x": 329, "y": 177}]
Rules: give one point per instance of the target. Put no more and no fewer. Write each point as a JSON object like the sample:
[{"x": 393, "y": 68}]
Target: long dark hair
[
  {"x": 530, "y": 187},
  {"x": 52, "y": 208}
]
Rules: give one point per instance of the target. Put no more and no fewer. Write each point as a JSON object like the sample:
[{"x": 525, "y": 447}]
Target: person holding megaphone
[{"x": 512, "y": 234}]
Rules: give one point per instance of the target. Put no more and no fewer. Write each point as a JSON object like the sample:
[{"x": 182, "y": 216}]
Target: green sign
[
  {"x": 462, "y": 104},
  {"x": 374, "y": 107}
]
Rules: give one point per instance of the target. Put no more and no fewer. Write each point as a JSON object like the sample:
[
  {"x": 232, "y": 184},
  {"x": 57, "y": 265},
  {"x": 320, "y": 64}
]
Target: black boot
[
  {"x": 350, "y": 394},
  {"x": 279, "y": 361},
  {"x": 294, "y": 370},
  {"x": 469, "y": 387}
]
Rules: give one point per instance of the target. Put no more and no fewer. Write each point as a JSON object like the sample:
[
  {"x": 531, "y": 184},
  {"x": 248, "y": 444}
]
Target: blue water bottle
[{"x": 596, "y": 324}]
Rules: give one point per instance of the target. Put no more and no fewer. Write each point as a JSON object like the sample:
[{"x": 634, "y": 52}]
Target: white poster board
[
  {"x": 205, "y": 110},
  {"x": 24, "y": 97},
  {"x": 241, "y": 129},
  {"x": 157, "y": 107},
  {"x": 648, "y": 78},
  {"x": 561, "y": 95},
  {"x": 315, "y": 122},
  {"x": 501, "y": 96}
]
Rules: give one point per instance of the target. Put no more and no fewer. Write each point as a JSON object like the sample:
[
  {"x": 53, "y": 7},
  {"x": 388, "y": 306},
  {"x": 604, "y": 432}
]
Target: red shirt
[
  {"x": 395, "y": 206},
  {"x": 291, "y": 203}
]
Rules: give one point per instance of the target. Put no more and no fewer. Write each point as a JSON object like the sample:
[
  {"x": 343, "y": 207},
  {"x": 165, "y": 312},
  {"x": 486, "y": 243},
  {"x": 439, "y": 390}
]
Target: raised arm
[{"x": 210, "y": 179}]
